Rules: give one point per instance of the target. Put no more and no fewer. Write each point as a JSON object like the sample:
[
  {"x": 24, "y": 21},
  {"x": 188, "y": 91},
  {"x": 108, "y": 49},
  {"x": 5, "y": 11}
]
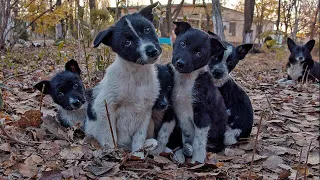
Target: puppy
[
  {"x": 130, "y": 86},
  {"x": 301, "y": 63},
  {"x": 163, "y": 122},
  {"x": 236, "y": 99},
  {"x": 197, "y": 104},
  {"x": 68, "y": 93}
]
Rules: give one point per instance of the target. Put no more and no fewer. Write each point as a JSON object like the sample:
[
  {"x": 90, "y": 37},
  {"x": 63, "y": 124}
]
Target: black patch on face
[
  {"x": 193, "y": 48},
  {"x": 166, "y": 84},
  {"x": 132, "y": 36},
  {"x": 238, "y": 53},
  {"x": 301, "y": 52},
  {"x": 64, "y": 86}
]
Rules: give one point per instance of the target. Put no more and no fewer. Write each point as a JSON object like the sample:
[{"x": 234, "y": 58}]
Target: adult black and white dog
[
  {"x": 237, "y": 101},
  {"x": 163, "y": 121},
  {"x": 301, "y": 63},
  {"x": 198, "y": 105},
  {"x": 68, "y": 93},
  {"x": 130, "y": 86}
]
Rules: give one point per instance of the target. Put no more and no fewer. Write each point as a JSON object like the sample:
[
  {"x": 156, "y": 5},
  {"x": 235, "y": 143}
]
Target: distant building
[{"x": 233, "y": 20}]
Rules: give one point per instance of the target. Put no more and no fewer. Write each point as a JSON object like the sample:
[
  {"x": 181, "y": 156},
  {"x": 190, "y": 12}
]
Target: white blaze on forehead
[
  {"x": 227, "y": 53},
  {"x": 131, "y": 28}
]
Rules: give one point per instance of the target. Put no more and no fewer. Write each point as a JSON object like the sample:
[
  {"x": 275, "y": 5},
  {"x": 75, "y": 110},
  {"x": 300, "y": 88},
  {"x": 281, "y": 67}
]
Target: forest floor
[{"x": 33, "y": 145}]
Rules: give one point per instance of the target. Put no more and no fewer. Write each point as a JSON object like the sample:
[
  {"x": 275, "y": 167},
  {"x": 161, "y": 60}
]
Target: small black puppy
[
  {"x": 236, "y": 99},
  {"x": 197, "y": 103},
  {"x": 163, "y": 122},
  {"x": 301, "y": 63},
  {"x": 68, "y": 92}
]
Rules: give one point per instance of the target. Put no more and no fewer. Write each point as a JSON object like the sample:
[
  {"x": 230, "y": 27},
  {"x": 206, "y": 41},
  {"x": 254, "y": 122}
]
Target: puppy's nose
[
  {"x": 163, "y": 104},
  {"x": 75, "y": 103},
  {"x": 180, "y": 63},
  {"x": 151, "y": 51},
  {"x": 217, "y": 73},
  {"x": 300, "y": 58}
]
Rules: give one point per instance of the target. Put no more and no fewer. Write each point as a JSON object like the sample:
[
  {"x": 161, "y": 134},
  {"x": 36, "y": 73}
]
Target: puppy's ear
[
  {"x": 181, "y": 27},
  {"x": 212, "y": 34},
  {"x": 45, "y": 85},
  {"x": 217, "y": 47},
  {"x": 310, "y": 44},
  {"x": 72, "y": 66},
  {"x": 243, "y": 50},
  {"x": 147, "y": 11},
  {"x": 290, "y": 43},
  {"x": 104, "y": 37}
]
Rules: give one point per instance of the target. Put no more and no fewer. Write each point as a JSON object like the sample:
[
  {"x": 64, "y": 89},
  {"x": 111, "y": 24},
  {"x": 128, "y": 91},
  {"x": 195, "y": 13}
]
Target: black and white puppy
[
  {"x": 236, "y": 99},
  {"x": 163, "y": 121},
  {"x": 130, "y": 86},
  {"x": 68, "y": 93},
  {"x": 301, "y": 63},
  {"x": 198, "y": 105}
]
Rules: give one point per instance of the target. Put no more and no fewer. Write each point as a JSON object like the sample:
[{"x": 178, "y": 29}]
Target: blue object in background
[{"x": 164, "y": 40}]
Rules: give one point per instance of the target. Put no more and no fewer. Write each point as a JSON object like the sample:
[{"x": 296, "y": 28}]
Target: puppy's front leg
[
  {"x": 187, "y": 127},
  {"x": 163, "y": 136},
  {"x": 199, "y": 145},
  {"x": 140, "y": 136}
]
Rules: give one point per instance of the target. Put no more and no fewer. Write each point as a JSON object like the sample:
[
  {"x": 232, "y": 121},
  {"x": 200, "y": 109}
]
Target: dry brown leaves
[{"x": 54, "y": 152}]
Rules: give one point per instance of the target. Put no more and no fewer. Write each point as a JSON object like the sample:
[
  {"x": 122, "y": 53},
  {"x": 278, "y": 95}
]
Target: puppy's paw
[
  {"x": 138, "y": 155},
  {"x": 187, "y": 149},
  {"x": 282, "y": 80},
  {"x": 151, "y": 144},
  {"x": 179, "y": 156}
]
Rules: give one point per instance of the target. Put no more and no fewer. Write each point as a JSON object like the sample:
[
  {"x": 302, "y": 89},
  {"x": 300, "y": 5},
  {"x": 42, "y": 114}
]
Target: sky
[{"x": 230, "y": 3}]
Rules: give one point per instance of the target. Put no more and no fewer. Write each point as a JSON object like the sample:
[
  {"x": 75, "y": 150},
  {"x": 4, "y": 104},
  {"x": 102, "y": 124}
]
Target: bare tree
[
  {"x": 217, "y": 19},
  {"x": 313, "y": 26},
  {"x": 278, "y": 14},
  {"x": 248, "y": 18},
  {"x": 297, "y": 8},
  {"x": 207, "y": 28}
]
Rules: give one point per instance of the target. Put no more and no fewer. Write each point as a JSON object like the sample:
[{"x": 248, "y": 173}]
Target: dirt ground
[{"x": 33, "y": 145}]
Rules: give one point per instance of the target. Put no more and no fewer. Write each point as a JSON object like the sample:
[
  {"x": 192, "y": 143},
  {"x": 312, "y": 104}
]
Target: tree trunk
[
  {"x": 296, "y": 20},
  {"x": 278, "y": 15},
  {"x": 313, "y": 26},
  {"x": 248, "y": 18},
  {"x": 217, "y": 19},
  {"x": 169, "y": 18},
  {"x": 5, "y": 9},
  {"x": 207, "y": 28}
]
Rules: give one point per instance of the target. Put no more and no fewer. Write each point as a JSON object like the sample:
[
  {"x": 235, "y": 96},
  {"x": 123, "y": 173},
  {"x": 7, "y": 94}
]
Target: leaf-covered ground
[{"x": 33, "y": 145}]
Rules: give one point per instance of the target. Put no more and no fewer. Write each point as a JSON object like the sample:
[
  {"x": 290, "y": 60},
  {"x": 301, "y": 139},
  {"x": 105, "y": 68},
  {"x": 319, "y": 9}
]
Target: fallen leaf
[
  {"x": 51, "y": 175},
  {"x": 31, "y": 118},
  {"x": 284, "y": 175},
  {"x": 5, "y": 147},
  {"x": 29, "y": 171},
  {"x": 72, "y": 153},
  {"x": 100, "y": 170},
  {"x": 272, "y": 162}
]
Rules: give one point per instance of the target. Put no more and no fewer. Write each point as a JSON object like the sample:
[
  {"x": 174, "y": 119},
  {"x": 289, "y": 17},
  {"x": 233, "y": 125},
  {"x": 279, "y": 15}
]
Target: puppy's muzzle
[
  {"x": 217, "y": 73},
  {"x": 152, "y": 51},
  {"x": 75, "y": 103}
]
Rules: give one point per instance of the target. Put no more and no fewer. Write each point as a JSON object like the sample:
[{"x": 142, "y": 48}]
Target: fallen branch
[
  {"x": 306, "y": 165},
  {"x": 108, "y": 116},
  {"x": 255, "y": 148},
  {"x": 11, "y": 138},
  {"x": 273, "y": 114},
  {"x": 299, "y": 164}
]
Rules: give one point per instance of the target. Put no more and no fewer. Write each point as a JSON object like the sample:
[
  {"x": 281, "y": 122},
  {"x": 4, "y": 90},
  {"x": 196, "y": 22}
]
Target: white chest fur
[
  {"x": 295, "y": 71},
  {"x": 182, "y": 98},
  {"x": 130, "y": 91},
  {"x": 73, "y": 117}
]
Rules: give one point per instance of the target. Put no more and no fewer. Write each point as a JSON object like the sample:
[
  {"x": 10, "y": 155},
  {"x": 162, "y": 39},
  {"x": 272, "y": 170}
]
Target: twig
[
  {"x": 269, "y": 104},
  {"x": 17, "y": 75},
  {"x": 41, "y": 97},
  {"x": 304, "y": 75},
  {"x": 11, "y": 138},
  {"x": 108, "y": 116},
  {"x": 255, "y": 147},
  {"x": 299, "y": 164},
  {"x": 306, "y": 165}
]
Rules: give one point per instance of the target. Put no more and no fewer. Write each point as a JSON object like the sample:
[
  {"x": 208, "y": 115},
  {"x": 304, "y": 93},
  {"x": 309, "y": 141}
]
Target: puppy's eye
[
  {"x": 230, "y": 63},
  {"x": 60, "y": 93},
  {"x": 183, "y": 44},
  {"x": 169, "y": 88},
  {"x": 75, "y": 86},
  {"x": 127, "y": 43},
  {"x": 199, "y": 54},
  {"x": 146, "y": 30}
]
